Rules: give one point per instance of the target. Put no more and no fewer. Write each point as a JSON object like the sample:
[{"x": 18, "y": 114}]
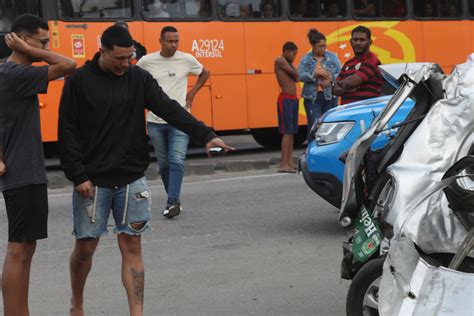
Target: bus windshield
[{"x": 10, "y": 9}]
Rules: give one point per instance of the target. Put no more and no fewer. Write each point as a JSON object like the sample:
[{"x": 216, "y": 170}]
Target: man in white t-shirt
[{"x": 171, "y": 69}]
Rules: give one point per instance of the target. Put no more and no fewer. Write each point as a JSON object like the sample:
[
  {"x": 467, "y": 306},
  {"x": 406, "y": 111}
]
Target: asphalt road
[{"x": 252, "y": 243}]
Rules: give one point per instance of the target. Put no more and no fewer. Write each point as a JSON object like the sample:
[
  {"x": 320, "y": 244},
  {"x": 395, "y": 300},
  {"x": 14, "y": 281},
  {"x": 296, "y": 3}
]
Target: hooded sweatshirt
[{"x": 102, "y": 132}]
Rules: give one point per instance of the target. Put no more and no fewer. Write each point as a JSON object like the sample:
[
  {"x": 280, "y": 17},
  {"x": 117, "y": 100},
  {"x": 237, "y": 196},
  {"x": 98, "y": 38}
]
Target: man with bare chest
[{"x": 287, "y": 77}]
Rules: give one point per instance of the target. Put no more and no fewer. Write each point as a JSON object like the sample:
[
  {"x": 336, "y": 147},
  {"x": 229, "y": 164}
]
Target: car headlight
[{"x": 333, "y": 132}]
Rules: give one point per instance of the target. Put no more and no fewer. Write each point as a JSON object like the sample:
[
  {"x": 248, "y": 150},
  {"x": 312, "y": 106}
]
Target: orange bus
[{"x": 238, "y": 40}]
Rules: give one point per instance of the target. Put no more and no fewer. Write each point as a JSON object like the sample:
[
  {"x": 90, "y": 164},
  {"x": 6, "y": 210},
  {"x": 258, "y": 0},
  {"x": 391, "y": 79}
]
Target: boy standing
[{"x": 288, "y": 104}]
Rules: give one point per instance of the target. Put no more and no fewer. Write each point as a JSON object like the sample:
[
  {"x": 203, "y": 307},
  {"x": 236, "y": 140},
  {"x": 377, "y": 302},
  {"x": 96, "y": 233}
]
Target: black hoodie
[{"x": 102, "y": 131}]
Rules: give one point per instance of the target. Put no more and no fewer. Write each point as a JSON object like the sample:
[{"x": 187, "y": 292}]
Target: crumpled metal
[
  {"x": 349, "y": 202},
  {"x": 442, "y": 138},
  {"x": 411, "y": 286}
]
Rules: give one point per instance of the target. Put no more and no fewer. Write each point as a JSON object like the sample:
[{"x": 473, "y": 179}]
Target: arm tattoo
[{"x": 138, "y": 279}]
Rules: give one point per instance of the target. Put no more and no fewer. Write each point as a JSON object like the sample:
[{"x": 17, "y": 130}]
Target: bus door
[
  {"x": 221, "y": 47},
  {"x": 229, "y": 94},
  {"x": 262, "y": 86}
]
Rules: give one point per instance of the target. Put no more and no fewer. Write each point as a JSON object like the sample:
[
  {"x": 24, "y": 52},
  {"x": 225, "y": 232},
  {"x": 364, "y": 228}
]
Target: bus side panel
[
  {"x": 262, "y": 100},
  {"x": 407, "y": 42},
  {"x": 219, "y": 46},
  {"x": 81, "y": 40},
  {"x": 447, "y": 42},
  {"x": 263, "y": 42}
]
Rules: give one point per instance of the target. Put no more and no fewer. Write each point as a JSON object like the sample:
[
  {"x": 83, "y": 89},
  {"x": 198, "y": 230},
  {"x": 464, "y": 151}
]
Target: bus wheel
[{"x": 271, "y": 137}]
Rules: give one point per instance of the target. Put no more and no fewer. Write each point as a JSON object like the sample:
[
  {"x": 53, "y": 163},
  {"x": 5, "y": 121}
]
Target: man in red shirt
[{"x": 360, "y": 77}]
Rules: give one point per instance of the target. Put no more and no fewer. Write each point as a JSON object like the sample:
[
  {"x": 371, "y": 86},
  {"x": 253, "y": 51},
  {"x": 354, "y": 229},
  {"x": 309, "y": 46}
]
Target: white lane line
[
  {"x": 189, "y": 183},
  {"x": 111, "y": 244}
]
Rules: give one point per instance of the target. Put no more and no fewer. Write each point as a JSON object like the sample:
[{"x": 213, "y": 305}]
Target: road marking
[{"x": 189, "y": 183}]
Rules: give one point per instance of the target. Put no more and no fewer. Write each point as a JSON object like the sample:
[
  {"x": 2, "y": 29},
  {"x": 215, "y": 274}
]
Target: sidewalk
[{"x": 248, "y": 156}]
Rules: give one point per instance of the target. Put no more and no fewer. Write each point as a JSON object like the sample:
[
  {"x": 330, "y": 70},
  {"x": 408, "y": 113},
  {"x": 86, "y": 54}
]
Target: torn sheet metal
[
  {"x": 349, "y": 204},
  {"x": 411, "y": 286},
  {"x": 443, "y": 137}
]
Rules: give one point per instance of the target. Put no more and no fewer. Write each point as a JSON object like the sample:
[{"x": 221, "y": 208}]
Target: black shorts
[{"x": 27, "y": 211}]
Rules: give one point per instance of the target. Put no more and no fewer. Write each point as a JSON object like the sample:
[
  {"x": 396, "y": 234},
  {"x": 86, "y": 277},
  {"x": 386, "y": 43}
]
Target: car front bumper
[{"x": 326, "y": 185}]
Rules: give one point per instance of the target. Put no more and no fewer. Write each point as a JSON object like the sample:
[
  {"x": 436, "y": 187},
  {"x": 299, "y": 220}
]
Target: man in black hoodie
[{"x": 103, "y": 149}]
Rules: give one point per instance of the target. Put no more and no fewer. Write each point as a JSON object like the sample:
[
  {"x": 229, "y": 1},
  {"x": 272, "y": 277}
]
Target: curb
[{"x": 56, "y": 179}]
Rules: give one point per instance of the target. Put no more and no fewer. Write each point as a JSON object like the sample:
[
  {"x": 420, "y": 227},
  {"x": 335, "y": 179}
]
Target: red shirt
[{"x": 366, "y": 67}]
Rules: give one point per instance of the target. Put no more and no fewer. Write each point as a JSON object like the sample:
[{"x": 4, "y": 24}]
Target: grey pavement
[
  {"x": 248, "y": 156},
  {"x": 247, "y": 243}
]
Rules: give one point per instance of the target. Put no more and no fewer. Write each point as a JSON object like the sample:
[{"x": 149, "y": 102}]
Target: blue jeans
[
  {"x": 170, "y": 147},
  {"x": 314, "y": 109},
  {"x": 91, "y": 215}
]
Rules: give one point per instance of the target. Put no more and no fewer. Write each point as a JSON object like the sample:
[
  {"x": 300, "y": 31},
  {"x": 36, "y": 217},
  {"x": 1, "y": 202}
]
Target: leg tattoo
[{"x": 138, "y": 279}]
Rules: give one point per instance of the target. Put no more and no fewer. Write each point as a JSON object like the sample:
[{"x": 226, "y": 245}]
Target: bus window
[
  {"x": 300, "y": 9},
  {"x": 471, "y": 8},
  {"x": 394, "y": 9},
  {"x": 379, "y": 9},
  {"x": 176, "y": 9},
  {"x": 95, "y": 9},
  {"x": 425, "y": 8},
  {"x": 449, "y": 9},
  {"x": 333, "y": 9},
  {"x": 249, "y": 9},
  {"x": 366, "y": 8},
  {"x": 10, "y": 9}
]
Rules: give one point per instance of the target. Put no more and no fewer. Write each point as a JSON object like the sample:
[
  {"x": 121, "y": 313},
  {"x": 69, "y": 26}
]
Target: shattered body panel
[
  {"x": 411, "y": 286},
  {"x": 419, "y": 211},
  {"x": 443, "y": 137},
  {"x": 349, "y": 204}
]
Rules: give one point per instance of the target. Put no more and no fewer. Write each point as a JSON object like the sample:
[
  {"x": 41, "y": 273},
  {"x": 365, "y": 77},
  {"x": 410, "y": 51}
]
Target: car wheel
[{"x": 363, "y": 294}]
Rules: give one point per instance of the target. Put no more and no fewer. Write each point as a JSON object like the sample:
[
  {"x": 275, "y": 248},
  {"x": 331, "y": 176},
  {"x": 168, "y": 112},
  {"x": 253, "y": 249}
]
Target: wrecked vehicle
[
  {"x": 433, "y": 228},
  {"x": 329, "y": 140},
  {"x": 380, "y": 185}
]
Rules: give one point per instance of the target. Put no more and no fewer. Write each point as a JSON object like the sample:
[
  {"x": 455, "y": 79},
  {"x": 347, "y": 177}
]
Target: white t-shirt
[{"x": 172, "y": 75}]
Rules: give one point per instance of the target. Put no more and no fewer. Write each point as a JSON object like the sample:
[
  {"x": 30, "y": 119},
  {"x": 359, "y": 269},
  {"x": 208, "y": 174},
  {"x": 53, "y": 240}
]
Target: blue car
[{"x": 332, "y": 136}]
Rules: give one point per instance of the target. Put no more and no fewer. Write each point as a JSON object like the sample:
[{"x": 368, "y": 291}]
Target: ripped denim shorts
[{"x": 130, "y": 205}]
